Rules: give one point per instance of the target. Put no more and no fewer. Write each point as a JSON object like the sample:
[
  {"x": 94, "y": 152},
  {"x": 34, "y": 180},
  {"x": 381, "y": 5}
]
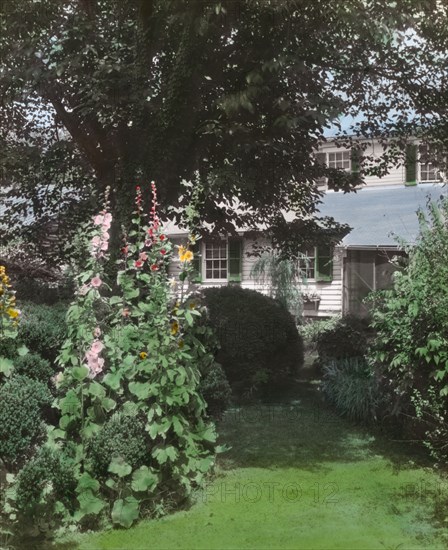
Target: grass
[{"x": 298, "y": 476}]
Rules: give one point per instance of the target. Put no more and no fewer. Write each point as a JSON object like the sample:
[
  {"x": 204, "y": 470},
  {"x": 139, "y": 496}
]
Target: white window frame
[
  {"x": 205, "y": 259},
  {"x": 427, "y": 166},
  {"x": 341, "y": 158},
  {"x": 309, "y": 263}
]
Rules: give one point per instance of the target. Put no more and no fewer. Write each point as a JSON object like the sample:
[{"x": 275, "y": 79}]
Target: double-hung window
[
  {"x": 428, "y": 171},
  {"x": 218, "y": 261},
  {"x": 340, "y": 160},
  {"x": 316, "y": 264},
  {"x": 215, "y": 260}
]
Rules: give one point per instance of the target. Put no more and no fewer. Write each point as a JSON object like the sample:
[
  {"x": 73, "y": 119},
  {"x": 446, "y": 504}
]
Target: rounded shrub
[
  {"x": 22, "y": 403},
  {"x": 34, "y": 366},
  {"x": 260, "y": 344},
  {"x": 346, "y": 338},
  {"x": 43, "y": 329},
  {"x": 46, "y": 479},
  {"x": 121, "y": 436}
]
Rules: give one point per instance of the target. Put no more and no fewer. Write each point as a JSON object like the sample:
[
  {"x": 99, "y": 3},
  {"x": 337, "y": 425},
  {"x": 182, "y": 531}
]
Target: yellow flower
[
  {"x": 174, "y": 328},
  {"x": 187, "y": 256},
  {"x": 181, "y": 251},
  {"x": 13, "y": 313},
  {"x": 181, "y": 344},
  {"x": 143, "y": 355},
  {"x": 192, "y": 305}
]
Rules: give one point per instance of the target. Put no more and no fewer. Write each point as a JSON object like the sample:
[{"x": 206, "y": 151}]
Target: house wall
[
  {"x": 330, "y": 292},
  {"x": 396, "y": 175}
]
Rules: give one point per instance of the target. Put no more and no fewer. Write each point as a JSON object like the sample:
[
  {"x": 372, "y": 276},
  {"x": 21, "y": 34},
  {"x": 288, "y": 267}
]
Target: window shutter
[
  {"x": 235, "y": 260},
  {"x": 324, "y": 263},
  {"x": 197, "y": 264},
  {"x": 321, "y": 158},
  {"x": 411, "y": 164},
  {"x": 356, "y": 161}
]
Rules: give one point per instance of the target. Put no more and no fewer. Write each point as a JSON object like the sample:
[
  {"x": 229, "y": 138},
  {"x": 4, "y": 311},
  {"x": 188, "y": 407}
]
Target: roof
[{"x": 378, "y": 215}]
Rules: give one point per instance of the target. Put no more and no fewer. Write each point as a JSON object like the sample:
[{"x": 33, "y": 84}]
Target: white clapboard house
[{"x": 337, "y": 281}]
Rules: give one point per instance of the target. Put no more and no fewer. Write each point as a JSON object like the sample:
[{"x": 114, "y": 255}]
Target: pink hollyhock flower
[
  {"x": 143, "y": 256},
  {"x": 97, "y": 332},
  {"x": 162, "y": 237},
  {"x": 105, "y": 244},
  {"x": 97, "y": 347},
  {"x": 107, "y": 220},
  {"x": 138, "y": 264},
  {"x": 154, "y": 267},
  {"x": 163, "y": 252},
  {"x": 148, "y": 243},
  {"x": 96, "y": 282},
  {"x": 96, "y": 242},
  {"x": 125, "y": 312},
  {"x": 98, "y": 219},
  {"x": 125, "y": 250}
]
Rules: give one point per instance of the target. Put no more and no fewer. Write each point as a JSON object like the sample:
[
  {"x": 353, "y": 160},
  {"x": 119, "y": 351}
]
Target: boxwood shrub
[
  {"x": 260, "y": 345},
  {"x": 42, "y": 328},
  {"x": 22, "y": 405}
]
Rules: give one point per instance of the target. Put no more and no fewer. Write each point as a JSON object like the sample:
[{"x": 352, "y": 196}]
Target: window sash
[
  {"x": 340, "y": 160},
  {"x": 216, "y": 258}
]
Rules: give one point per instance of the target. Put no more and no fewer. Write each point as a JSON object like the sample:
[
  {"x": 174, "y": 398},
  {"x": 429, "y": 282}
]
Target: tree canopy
[{"x": 234, "y": 96}]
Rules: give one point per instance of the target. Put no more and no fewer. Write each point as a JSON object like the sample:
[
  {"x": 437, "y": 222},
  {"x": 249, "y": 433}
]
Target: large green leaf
[
  {"x": 143, "y": 479},
  {"x": 125, "y": 512},
  {"x": 119, "y": 467}
]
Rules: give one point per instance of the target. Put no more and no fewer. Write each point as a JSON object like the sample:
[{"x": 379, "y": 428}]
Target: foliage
[
  {"x": 132, "y": 420},
  {"x": 45, "y": 480},
  {"x": 345, "y": 338},
  {"x": 411, "y": 321},
  {"x": 122, "y": 436},
  {"x": 34, "y": 366},
  {"x": 110, "y": 99},
  {"x": 22, "y": 401},
  {"x": 313, "y": 330},
  {"x": 351, "y": 385},
  {"x": 282, "y": 276},
  {"x": 215, "y": 389},
  {"x": 260, "y": 345},
  {"x": 9, "y": 314},
  {"x": 43, "y": 328}
]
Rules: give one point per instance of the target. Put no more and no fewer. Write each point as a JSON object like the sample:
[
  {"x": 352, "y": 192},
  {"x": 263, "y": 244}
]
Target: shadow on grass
[{"x": 303, "y": 431}]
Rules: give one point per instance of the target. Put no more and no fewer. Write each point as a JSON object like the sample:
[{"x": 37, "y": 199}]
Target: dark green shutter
[
  {"x": 197, "y": 264},
  {"x": 235, "y": 260},
  {"x": 324, "y": 263},
  {"x": 321, "y": 158},
  {"x": 411, "y": 164},
  {"x": 356, "y": 161}
]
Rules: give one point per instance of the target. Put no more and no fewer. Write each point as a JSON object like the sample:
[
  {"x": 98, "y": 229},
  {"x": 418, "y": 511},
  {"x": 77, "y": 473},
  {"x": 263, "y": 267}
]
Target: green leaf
[
  {"x": 143, "y": 479},
  {"x": 70, "y": 404},
  {"x": 22, "y": 350},
  {"x": 87, "y": 482},
  {"x": 97, "y": 390},
  {"x": 113, "y": 380},
  {"x": 119, "y": 467},
  {"x": 125, "y": 512},
  {"x": 90, "y": 504},
  {"x": 6, "y": 366},
  {"x": 189, "y": 318},
  {"x": 108, "y": 404},
  {"x": 80, "y": 373},
  {"x": 140, "y": 390}
]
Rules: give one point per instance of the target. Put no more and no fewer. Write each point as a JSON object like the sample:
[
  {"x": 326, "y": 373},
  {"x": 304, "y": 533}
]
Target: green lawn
[{"x": 298, "y": 476}]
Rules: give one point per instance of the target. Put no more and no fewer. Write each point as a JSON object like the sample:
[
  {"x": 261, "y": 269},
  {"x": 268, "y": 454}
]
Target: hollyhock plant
[{"x": 132, "y": 355}]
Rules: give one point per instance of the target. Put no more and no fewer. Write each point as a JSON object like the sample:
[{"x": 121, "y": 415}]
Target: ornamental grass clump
[{"x": 130, "y": 359}]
